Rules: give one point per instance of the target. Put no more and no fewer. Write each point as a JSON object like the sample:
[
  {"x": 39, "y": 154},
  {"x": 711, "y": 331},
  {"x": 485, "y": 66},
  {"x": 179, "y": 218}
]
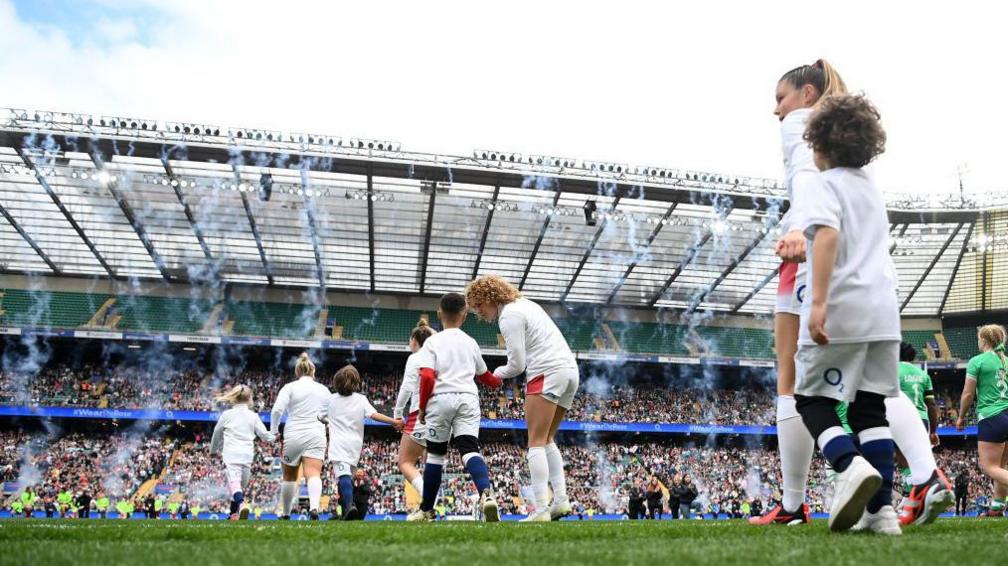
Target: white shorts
[
  {"x": 450, "y": 415},
  {"x": 237, "y": 476},
  {"x": 303, "y": 446},
  {"x": 839, "y": 371},
  {"x": 557, "y": 386},
  {"x": 342, "y": 469},
  {"x": 791, "y": 288},
  {"x": 416, "y": 430}
]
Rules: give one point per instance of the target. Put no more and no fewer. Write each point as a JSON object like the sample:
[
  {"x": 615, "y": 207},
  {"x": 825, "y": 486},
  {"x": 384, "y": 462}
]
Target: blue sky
[{"x": 685, "y": 85}]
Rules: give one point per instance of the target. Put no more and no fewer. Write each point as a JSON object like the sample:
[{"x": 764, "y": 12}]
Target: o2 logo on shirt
[
  {"x": 418, "y": 436},
  {"x": 834, "y": 377},
  {"x": 800, "y": 293}
]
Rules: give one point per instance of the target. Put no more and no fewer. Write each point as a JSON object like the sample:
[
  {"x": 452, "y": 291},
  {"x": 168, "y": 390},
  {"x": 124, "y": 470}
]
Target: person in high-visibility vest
[
  {"x": 28, "y": 498},
  {"x": 173, "y": 509},
  {"x": 102, "y": 505}
]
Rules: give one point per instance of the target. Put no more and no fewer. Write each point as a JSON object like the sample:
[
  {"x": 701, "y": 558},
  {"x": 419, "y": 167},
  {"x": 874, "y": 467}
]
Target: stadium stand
[
  {"x": 160, "y": 314},
  {"x": 962, "y": 342},
  {"x": 55, "y": 309}
]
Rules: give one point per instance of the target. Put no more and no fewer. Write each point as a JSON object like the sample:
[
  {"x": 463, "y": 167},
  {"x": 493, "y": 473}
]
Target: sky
[{"x": 686, "y": 85}]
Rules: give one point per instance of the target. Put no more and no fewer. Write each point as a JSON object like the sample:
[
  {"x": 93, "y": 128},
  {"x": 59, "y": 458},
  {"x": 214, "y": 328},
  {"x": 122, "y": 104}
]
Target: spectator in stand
[
  {"x": 636, "y": 501},
  {"x": 654, "y": 498},
  {"x": 687, "y": 495},
  {"x": 83, "y": 502},
  {"x": 361, "y": 494},
  {"x": 962, "y": 482}
]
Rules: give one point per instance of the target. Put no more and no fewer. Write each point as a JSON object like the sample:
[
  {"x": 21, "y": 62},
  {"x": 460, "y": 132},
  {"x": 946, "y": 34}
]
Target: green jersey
[
  {"x": 64, "y": 498},
  {"x": 158, "y": 504},
  {"x": 102, "y": 504},
  {"x": 916, "y": 383},
  {"x": 841, "y": 411},
  {"x": 17, "y": 508},
  {"x": 173, "y": 507},
  {"x": 991, "y": 376},
  {"x": 28, "y": 500}
]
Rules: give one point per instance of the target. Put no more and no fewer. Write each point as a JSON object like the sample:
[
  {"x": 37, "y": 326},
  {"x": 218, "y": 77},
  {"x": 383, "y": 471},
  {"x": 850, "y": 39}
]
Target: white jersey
[
  {"x": 862, "y": 300},
  {"x": 456, "y": 358},
  {"x": 303, "y": 401},
  {"x": 533, "y": 341},
  {"x": 235, "y": 433},
  {"x": 346, "y": 416},
  {"x": 409, "y": 390},
  {"x": 800, "y": 173}
]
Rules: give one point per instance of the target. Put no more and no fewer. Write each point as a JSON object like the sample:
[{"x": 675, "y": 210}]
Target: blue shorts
[{"x": 993, "y": 429}]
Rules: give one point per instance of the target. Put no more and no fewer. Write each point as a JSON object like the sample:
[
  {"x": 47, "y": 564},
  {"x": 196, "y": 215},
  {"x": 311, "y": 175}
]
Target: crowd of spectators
[
  {"x": 133, "y": 388},
  {"x": 677, "y": 480}
]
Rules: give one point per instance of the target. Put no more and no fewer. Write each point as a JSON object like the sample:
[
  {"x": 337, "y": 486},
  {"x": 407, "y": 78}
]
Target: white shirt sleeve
[
  {"x": 279, "y": 408},
  {"x": 368, "y": 408},
  {"x": 824, "y": 210},
  {"x": 512, "y": 327},
  {"x": 481, "y": 366},
  {"x": 217, "y": 440},
  {"x": 261, "y": 432},
  {"x": 799, "y": 168},
  {"x": 405, "y": 393}
]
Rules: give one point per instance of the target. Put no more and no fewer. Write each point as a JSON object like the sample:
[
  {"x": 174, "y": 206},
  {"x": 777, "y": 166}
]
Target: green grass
[{"x": 965, "y": 541}]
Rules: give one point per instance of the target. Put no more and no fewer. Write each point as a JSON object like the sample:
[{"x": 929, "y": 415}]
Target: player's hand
[
  {"x": 420, "y": 416},
  {"x": 791, "y": 247},
  {"x": 817, "y": 324},
  {"x": 934, "y": 440},
  {"x": 399, "y": 425},
  {"x": 960, "y": 423}
]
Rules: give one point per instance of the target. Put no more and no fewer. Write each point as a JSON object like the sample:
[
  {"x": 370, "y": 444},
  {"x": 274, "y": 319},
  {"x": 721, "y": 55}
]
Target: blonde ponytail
[
  {"x": 994, "y": 336},
  {"x": 304, "y": 366},
  {"x": 237, "y": 394},
  {"x": 833, "y": 83}
]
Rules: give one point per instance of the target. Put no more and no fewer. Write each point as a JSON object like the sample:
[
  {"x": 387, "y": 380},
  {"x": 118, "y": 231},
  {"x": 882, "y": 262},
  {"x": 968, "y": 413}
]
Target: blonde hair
[
  {"x": 422, "y": 332},
  {"x": 304, "y": 366},
  {"x": 994, "y": 336},
  {"x": 492, "y": 289},
  {"x": 821, "y": 75},
  {"x": 237, "y": 394}
]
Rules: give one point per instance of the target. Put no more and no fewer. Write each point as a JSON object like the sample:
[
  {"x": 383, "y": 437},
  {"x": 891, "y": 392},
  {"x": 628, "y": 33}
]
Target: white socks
[
  {"x": 796, "y": 447},
  {"x": 911, "y": 437},
  {"x": 288, "y": 489},
  {"x": 314, "y": 492},
  {"x": 539, "y": 469},
  {"x": 418, "y": 484},
  {"x": 556, "y": 473}
]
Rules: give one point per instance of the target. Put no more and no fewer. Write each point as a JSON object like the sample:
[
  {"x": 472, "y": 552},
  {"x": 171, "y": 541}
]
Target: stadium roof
[{"x": 129, "y": 198}]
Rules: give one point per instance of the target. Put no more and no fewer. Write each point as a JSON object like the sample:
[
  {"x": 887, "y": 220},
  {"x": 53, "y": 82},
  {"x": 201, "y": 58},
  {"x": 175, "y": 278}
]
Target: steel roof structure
[{"x": 128, "y": 198}]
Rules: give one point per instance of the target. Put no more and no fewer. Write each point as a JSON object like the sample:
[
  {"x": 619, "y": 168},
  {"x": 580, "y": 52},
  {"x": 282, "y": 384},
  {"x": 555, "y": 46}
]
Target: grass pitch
[{"x": 198, "y": 543}]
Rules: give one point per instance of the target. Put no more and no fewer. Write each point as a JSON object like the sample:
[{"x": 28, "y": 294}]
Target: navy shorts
[{"x": 993, "y": 429}]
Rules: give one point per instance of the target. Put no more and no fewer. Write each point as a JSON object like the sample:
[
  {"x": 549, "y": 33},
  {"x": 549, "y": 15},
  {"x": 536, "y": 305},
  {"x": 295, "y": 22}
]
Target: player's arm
[
  {"x": 217, "y": 439},
  {"x": 405, "y": 392},
  {"x": 513, "y": 329},
  {"x": 279, "y": 408},
  {"x": 824, "y": 254},
  {"x": 966, "y": 400},
  {"x": 261, "y": 432},
  {"x": 483, "y": 375}
]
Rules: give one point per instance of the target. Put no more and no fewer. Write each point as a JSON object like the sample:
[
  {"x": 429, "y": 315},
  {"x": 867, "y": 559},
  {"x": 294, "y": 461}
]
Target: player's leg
[
  {"x": 288, "y": 487},
  {"x": 539, "y": 413},
  {"x": 466, "y": 439},
  {"x": 246, "y": 475},
  {"x": 233, "y": 473},
  {"x": 438, "y": 422},
  {"x": 929, "y": 493},
  {"x": 410, "y": 451},
  {"x": 991, "y": 457},
  {"x": 342, "y": 473},
  {"x": 567, "y": 383},
  {"x": 313, "y": 478},
  {"x": 794, "y": 443}
]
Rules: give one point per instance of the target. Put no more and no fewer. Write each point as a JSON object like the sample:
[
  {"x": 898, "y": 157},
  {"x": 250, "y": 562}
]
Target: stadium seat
[{"x": 55, "y": 309}]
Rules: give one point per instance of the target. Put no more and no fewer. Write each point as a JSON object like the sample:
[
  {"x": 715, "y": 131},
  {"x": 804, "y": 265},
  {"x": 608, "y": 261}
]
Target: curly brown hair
[
  {"x": 491, "y": 289},
  {"x": 846, "y": 131}
]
